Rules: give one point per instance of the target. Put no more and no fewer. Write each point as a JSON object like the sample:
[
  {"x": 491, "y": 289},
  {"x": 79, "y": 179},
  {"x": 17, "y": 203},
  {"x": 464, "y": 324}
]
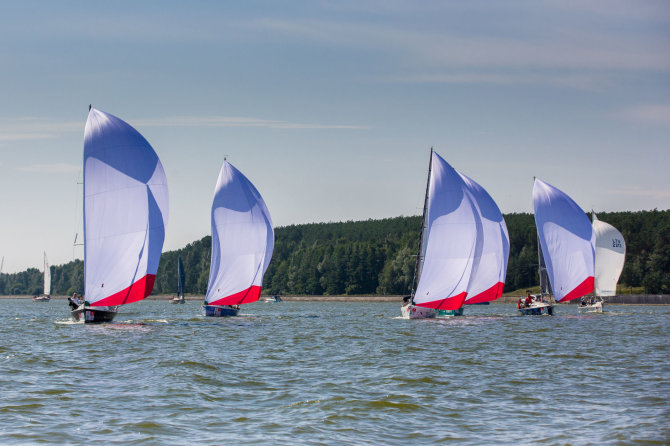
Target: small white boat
[
  {"x": 242, "y": 244},
  {"x": 46, "y": 297},
  {"x": 610, "y": 249},
  {"x": 181, "y": 278},
  {"x": 125, "y": 211},
  {"x": 589, "y": 306},
  {"x": 565, "y": 246},
  {"x": 537, "y": 307},
  {"x": 274, "y": 299}
]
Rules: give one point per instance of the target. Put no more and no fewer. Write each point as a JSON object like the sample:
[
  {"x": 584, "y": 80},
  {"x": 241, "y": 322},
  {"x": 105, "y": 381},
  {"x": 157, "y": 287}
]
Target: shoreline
[{"x": 624, "y": 299}]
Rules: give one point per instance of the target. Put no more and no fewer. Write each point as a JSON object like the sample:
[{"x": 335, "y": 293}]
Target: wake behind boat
[
  {"x": 125, "y": 210},
  {"x": 242, "y": 244}
]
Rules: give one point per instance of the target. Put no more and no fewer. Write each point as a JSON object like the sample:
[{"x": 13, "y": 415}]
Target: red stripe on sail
[
  {"x": 492, "y": 293},
  {"x": 137, "y": 291},
  {"x": 450, "y": 303},
  {"x": 251, "y": 294},
  {"x": 582, "y": 289}
]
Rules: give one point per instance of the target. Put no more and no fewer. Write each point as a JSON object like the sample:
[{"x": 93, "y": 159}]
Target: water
[{"x": 333, "y": 373}]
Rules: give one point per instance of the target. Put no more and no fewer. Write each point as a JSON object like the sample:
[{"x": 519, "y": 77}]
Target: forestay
[
  {"x": 450, "y": 240},
  {"x": 492, "y": 248},
  {"x": 567, "y": 240},
  {"x": 125, "y": 211},
  {"x": 242, "y": 240},
  {"x": 610, "y": 256}
]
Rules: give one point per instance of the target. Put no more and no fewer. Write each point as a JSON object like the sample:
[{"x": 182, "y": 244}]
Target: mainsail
[
  {"x": 242, "y": 240},
  {"x": 125, "y": 211},
  {"x": 566, "y": 239},
  {"x": 610, "y": 256},
  {"x": 492, "y": 252},
  {"x": 181, "y": 278},
  {"x": 47, "y": 276},
  {"x": 449, "y": 242}
]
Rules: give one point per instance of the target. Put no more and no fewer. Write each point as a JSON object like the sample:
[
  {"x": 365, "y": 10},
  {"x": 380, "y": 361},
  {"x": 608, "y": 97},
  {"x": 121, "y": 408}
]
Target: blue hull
[{"x": 219, "y": 311}]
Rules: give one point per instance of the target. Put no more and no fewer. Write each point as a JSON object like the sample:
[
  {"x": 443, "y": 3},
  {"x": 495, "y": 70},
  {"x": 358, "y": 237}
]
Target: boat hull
[
  {"x": 593, "y": 308},
  {"x": 450, "y": 313},
  {"x": 94, "y": 315},
  {"x": 219, "y": 310},
  {"x": 537, "y": 309},
  {"x": 414, "y": 312},
  {"x": 177, "y": 301},
  {"x": 42, "y": 299}
]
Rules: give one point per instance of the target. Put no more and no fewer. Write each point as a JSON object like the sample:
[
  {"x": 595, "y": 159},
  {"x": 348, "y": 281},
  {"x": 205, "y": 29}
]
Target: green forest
[{"x": 375, "y": 257}]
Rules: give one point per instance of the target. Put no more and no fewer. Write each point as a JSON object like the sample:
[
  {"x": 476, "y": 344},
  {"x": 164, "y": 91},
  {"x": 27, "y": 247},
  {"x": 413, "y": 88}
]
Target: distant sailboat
[
  {"x": 565, "y": 246},
  {"x": 125, "y": 213},
  {"x": 179, "y": 298},
  {"x": 242, "y": 244},
  {"x": 463, "y": 246},
  {"x": 610, "y": 257},
  {"x": 46, "y": 297}
]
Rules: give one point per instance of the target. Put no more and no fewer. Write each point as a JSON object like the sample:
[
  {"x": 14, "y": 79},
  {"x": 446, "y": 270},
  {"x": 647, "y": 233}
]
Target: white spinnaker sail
[
  {"x": 47, "y": 276},
  {"x": 125, "y": 211},
  {"x": 242, "y": 240},
  {"x": 490, "y": 265},
  {"x": 610, "y": 257},
  {"x": 567, "y": 241},
  {"x": 450, "y": 240}
]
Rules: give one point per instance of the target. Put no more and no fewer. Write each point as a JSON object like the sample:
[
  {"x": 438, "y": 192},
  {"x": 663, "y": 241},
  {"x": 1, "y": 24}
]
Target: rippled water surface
[{"x": 333, "y": 373}]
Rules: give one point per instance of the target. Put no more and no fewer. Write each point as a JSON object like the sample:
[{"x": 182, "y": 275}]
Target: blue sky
[{"x": 331, "y": 107}]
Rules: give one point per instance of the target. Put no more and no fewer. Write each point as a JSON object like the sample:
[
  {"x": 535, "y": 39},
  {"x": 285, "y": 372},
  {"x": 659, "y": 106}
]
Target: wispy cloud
[
  {"x": 576, "y": 81},
  {"x": 234, "y": 121},
  {"x": 50, "y": 168},
  {"x": 22, "y": 129},
  {"x": 636, "y": 191},
  {"x": 34, "y": 128},
  {"x": 650, "y": 113}
]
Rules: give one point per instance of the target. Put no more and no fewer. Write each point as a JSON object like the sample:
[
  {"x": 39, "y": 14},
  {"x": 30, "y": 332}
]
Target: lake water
[{"x": 333, "y": 373}]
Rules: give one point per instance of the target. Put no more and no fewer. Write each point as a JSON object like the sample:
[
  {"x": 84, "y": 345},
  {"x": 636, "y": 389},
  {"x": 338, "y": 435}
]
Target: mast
[
  {"x": 419, "y": 256},
  {"x": 541, "y": 267}
]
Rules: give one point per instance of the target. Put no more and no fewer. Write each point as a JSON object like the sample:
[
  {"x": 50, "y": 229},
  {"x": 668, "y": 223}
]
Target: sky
[{"x": 330, "y": 107}]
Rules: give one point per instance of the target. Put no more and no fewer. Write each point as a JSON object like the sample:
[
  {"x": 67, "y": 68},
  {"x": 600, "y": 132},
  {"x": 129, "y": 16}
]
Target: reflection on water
[{"x": 308, "y": 373}]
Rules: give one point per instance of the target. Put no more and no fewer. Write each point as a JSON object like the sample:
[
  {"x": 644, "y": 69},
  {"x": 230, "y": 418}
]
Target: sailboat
[
  {"x": 565, "y": 248},
  {"x": 610, "y": 257},
  {"x": 242, "y": 244},
  {"x": 463, "y": 246},
  {"x": 125, "y": 213},
  {"x": 492, "y": 249},
  {"x": 46, "y": 297},
  {"x": 179, "y": 298}
]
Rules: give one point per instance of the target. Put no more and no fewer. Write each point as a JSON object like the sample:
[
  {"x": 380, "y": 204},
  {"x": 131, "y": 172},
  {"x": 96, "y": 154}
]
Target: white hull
[
  {"x": 42, "y": 299},
  {"x": 536, "y": 308},
  {"x": 414, "y": 312},
  {"x": 593, "y": 308}
]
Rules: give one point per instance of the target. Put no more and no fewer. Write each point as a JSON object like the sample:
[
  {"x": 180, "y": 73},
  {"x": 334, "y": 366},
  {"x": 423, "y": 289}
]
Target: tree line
[{"x": 375, "y": 257}]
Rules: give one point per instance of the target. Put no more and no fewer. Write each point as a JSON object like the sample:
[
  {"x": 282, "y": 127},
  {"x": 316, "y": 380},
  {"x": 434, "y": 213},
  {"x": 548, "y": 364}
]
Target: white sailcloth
[
  {"x": 490, "y": 265},
  {"x": 450, "y": 240},
  {"x": 125, "y": 211},
  {"x": 610, "y": 257},
  {"x": 242, "y": 240},
  {"x": 567, "y": 241},
  {"x": 47, "y": 276}
]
